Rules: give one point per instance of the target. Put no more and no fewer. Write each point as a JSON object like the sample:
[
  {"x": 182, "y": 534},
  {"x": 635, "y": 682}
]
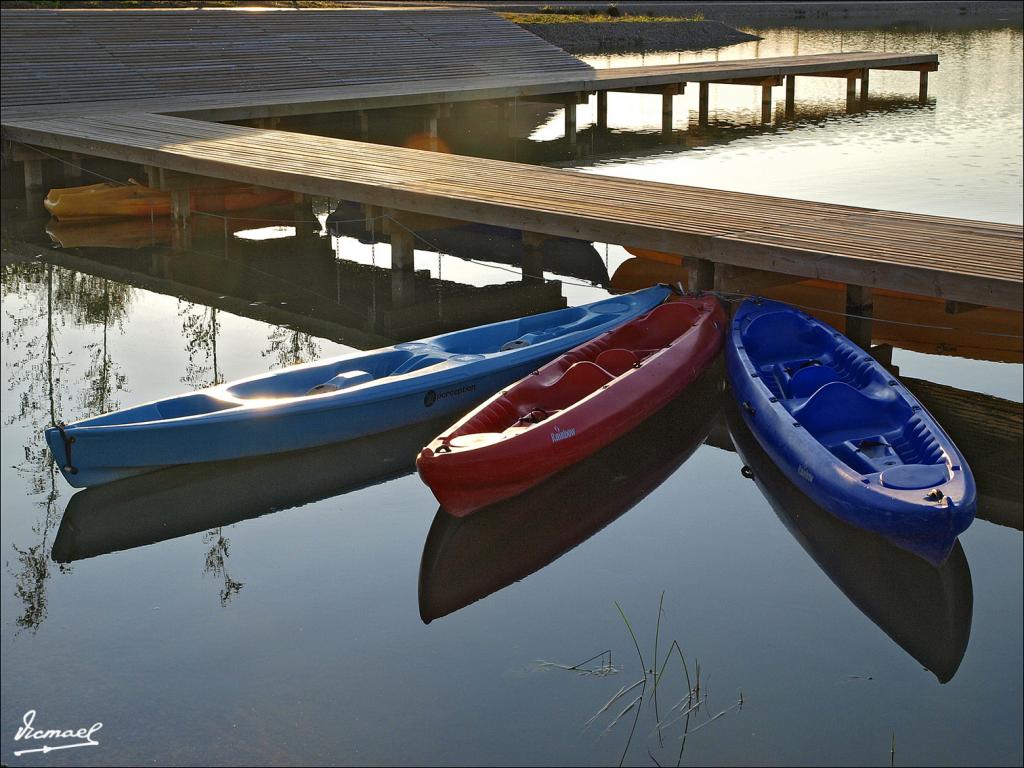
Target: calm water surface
[{"x": 320, "y": 609}]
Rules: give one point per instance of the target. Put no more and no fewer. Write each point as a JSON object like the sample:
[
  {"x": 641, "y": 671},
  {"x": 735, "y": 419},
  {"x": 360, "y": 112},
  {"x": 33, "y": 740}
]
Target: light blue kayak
[{"x": 329, "y": 401}]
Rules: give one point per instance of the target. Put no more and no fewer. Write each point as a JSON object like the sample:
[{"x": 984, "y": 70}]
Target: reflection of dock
[
  {"x": 927, "y": 610},
  {"x": 467, "y": 559},
  {"x": 917, "y": 323},
  {"x": 598, "y": 144},
  {"x": 989, "y": 432},
  {"x": 560, "y": 255},
  {"x": 296, "y": 282}
]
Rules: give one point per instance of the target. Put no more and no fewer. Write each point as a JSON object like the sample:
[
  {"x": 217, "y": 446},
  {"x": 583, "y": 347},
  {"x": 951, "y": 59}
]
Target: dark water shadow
[
  {"x": 184, "y": 500},
  {"x": 926, "y": 610},
  {"x": 467, "y": 559}
]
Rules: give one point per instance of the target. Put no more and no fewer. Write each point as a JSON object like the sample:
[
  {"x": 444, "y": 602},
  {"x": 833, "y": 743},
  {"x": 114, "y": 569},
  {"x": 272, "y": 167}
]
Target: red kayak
[{"x": 573, "y": 406}]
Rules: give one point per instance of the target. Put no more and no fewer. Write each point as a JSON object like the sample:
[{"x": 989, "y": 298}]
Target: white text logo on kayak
[
  {"x": 56, "y": 738},
  {"x": 562, "y": 434},
  {"x": 805, "y": 473}
]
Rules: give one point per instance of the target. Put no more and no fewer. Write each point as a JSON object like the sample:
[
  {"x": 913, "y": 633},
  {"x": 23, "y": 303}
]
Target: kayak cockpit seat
[
  {"x": 867, "y": 455},
  {"x": 343, "y": 380},
  {"x": 805, "y": 381},
  {"x": 535, "y": 416},
  {"x": 417, "y": 362},
  {"x": 843, "y": 413},
  {"x": 580, "y": 380},
  {"x": 617, "y": 361},
  {"x": 657, "y": 329}
]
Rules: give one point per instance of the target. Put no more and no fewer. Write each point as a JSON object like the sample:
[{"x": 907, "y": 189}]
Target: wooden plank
[
  {"x": 233, "y": 64},
  {"x": 960, "y": 260}
]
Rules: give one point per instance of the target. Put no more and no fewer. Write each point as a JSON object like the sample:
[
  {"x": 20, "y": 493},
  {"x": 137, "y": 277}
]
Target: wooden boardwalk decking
[
  {"x": 961, "y": 260},
  {"x": 122, "y": 84},
  {"x": 224, "y": 64}
]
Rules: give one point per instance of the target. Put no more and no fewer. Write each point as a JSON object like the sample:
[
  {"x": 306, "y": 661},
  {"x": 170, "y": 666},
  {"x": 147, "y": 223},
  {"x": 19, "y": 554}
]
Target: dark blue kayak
[
  {"x": 844, "y": 430},
  {"x": 329, "y": 401}
]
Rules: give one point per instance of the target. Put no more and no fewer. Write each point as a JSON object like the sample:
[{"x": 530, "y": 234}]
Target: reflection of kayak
[
  {"x": 918, "y": 323},
  {"x": 104, "y": 200},
  {"x": 331, "y": 400},
  {"x": 572, "y": 406},
  {"x": 109, "y": 233},
  {"x": 466, "y": 559},
  {"x": 183, "y": 500},
  {"x": 926, "y": 610},
  {"x": 844, "y": 431}
]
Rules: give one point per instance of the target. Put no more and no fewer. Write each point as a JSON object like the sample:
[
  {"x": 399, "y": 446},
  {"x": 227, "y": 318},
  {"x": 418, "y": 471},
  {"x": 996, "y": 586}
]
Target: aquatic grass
[
  {"x": 605, "y": 668},
  {"x": 619, "y": 707}
]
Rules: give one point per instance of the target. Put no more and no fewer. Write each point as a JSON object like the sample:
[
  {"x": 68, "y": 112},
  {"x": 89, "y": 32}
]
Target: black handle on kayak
[{"x": 749, "y": 408}]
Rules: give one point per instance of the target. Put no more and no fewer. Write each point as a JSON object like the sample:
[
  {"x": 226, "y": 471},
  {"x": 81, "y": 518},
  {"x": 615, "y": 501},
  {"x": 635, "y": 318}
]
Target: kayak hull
[
  {"x": 468, "y": 558},
  {"x": 572, "y": 407},
  {"x": 845, "y": 431},
  {"x": 331, "y": 400}
]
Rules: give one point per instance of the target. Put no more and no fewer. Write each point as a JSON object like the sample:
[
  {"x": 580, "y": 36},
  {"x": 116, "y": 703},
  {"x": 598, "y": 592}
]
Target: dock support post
[
  {"x": 790, "y": 96},
  {"x": 33, "y": 167},
  {"x": 73, "y": 169},
  {"x": 181, "y": 205},
  {"x": 858, "y": 303},
  {"x": 430, "y": 125},
  {"x": 508, "y": 115},
  {"x": 702, "y": 109},
  {"x": 533, "y": 256},
  {"x": 570, "y": 119},
  {"x": 766, "y": 103},
  {"x": 372, "y": 222},
  {"x": 666, "y": 109},
  {"x": 602, "y": 110},
  {"x": 402, "y": 257},
  {"x": 702, "y": 274},
  {"x": 305, "y": 222},
  {"x": 851, "y": 94},
  {"x": 922, "y": 91},
  {"x": 364, "y": 125},
  {"x": 403, "y": 288},
  {"x": 864, "y": 77}
]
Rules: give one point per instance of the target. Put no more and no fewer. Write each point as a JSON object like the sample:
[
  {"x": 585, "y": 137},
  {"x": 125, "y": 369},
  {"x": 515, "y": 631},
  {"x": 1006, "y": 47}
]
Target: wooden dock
[
  {"x": 223, "y": 64},
  {"x": 960, "y": 260},
  {"x": 105, "y": 84}
]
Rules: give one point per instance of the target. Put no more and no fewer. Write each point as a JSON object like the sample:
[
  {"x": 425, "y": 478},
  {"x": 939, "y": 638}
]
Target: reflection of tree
[
  {"x": 29, "y": 357},
  {"x": 216, "y": 564},
  {"x": 103, "y": 378},
  {"x": 290, "y": 347},
  {"x": 32, "y": 363},
  {"x": 199, "y": 327},
  {"x": 30, "y": 579}
]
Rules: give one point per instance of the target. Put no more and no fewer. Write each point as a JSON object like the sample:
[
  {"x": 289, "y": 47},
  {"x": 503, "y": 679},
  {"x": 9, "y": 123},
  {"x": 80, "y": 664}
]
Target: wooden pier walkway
[
  {"x": 224, "y": 64},
  {"x": 124, "y": 85},
  {"x": 961, "y": 260}
]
